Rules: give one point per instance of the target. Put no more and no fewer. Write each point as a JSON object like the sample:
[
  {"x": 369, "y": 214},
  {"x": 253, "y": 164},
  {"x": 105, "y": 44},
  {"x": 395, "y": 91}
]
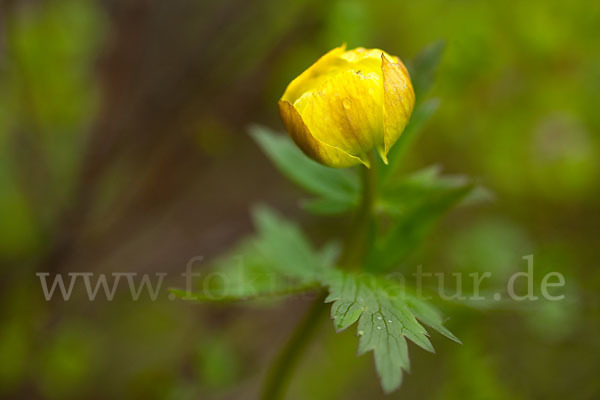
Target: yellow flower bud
[{"x": 347, "y": 104}]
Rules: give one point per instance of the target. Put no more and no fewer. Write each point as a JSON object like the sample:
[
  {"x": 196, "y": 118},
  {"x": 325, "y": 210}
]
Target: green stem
[
  {"x": 355, "y": 245},
  {"x": 280, "y": 372}
]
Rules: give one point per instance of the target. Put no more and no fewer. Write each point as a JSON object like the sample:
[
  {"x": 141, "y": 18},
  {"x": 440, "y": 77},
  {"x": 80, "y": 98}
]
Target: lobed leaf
[
  {"x": 276, "y": 261},
  {"x": 413, "y": 205},
  {"x": 386, "y": 316},
  {"x": 338, "y": 190}
]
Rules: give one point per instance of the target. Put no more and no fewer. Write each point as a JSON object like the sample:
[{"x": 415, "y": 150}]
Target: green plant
[{"x": 392, "y": 214}]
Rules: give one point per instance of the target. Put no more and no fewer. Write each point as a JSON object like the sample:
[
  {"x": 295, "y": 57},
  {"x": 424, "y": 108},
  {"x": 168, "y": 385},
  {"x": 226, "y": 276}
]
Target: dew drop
[
  {"x": 360, "y": 333},
  {"x": 379, "y": 327},
  {"x": 390, "y": 321},
  {"x": 379, "y": 318},
  {"x": 371, "y": 91},
  {"x": 347, "y": 104}
]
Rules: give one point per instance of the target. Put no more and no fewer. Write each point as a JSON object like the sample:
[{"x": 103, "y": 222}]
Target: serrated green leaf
[
  {"x": 386, "y": 317},
  {"x": 430, "y": 316},
  {"x": 276, "y": 261},
  {"x": 336, "y": 186},
  {"x": 415, "y": 191},
  {"x": 283, "y": 244}
]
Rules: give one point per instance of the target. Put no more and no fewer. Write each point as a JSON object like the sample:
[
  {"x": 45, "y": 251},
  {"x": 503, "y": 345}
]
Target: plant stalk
[
  {"x": 356, "y": 242},
  {"x": 280, "y": 371}
]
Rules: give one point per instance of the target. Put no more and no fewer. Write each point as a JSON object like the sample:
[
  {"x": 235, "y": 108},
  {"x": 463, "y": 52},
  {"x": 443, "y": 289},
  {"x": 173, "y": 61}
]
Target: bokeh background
[{"x": 124, "y": 148}]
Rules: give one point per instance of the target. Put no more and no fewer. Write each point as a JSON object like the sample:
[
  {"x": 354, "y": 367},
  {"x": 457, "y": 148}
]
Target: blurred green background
[{"x": 123, "y": 148}]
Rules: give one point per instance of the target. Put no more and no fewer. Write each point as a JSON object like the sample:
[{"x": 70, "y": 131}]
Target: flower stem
[
  {"x": 356, "y": 242},
  {"x": 280, "y": 372}
]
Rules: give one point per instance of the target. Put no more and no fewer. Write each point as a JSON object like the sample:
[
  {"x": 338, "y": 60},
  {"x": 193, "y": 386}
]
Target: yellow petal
[
  {"x": 399, "y": 100},
  {"x": 328, "y": 65},
  {"x": 360, "y": 54},
  {"x": 312, "y": 147},
  {"x": 346, "y": 112}
]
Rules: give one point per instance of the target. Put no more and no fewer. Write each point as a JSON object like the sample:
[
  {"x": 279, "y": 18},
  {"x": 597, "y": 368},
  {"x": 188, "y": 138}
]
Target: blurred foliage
[
  {"x": 338, "y": 190},
  {"x": 123, "y": 148}
]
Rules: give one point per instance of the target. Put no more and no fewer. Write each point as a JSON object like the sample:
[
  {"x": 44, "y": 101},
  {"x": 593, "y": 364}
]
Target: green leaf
[
  {"x": 277, "y": 261},
  {"x": 284, "y": 246},
  {"x": 430, "y": 316},
  {"x": 386, "y": 317},
  {"x": 413, "y": 205},
  {"x": 339, "y": 187},
  {"x": 423, "y": 67},
  {"x": 245, "y": 273},
  {"x": 409, "y": 194},
  {"x": 324, "y": 206}
]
